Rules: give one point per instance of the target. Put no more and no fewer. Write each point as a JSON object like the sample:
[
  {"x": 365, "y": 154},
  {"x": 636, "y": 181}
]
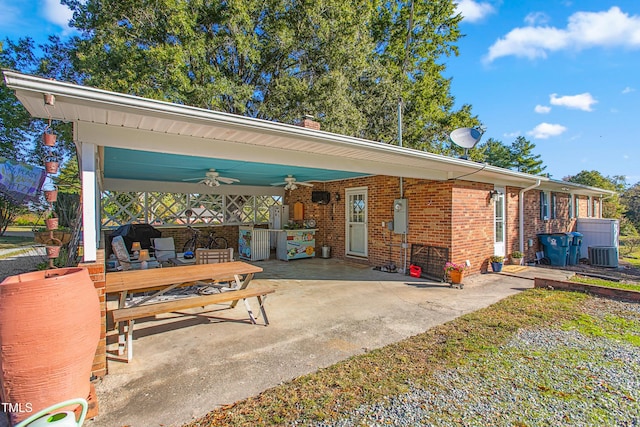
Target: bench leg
[
  {"x": 251, "y": 316},
  {"x": 129, "y": 340},
  {"x": 262, "y": 310},
  {"x": 125, "y": 339}
]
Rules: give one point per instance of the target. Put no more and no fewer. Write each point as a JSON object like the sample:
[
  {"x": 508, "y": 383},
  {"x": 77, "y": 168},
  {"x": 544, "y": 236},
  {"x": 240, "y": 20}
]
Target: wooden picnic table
[{"x": 158, "y": 281}]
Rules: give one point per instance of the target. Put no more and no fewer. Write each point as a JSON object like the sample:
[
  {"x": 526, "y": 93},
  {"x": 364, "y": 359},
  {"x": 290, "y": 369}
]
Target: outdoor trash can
[
  {"x": 575, "y": 242},
  {"x": 556, "y": 247}
]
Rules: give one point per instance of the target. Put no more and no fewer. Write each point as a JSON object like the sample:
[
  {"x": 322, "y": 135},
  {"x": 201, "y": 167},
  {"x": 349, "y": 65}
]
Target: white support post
[{"x": 89, "y": 201}]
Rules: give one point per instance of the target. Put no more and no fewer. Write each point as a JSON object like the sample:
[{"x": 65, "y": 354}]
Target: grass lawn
[
  {"x": 606, "y": 283},
  {"x": 10, "y": 242},
  {"x": 473, "y": 340}
]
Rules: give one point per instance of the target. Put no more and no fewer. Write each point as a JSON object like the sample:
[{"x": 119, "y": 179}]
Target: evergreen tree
[{"x": 523, "y": 159}]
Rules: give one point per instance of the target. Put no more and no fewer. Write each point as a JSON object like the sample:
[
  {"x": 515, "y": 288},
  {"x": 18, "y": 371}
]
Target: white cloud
[
  {"x": 628, "y": 90},
  {"x": 513, "y": 134},
  {"x": 583, "y": 101},
  {"x": 547, "y": 130},
  {"x": 584, "y": 30},
  {"x": 474, "y": 11},
  {"x": 542, "y": 109},
  {"x": 536, "y": 18},
  {"x": 9, "y": 14},
  {"x": 57, "y": 13}
]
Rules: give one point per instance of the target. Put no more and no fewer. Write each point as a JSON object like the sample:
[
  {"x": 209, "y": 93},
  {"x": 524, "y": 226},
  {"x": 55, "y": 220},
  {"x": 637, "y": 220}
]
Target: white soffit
[{"x": 117, "y": 120}]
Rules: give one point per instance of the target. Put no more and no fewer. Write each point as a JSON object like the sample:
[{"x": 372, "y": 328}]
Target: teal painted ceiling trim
[{"x": 144, "y": 165}]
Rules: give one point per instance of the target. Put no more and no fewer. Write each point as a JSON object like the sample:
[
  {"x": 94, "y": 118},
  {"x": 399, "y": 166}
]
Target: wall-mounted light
[
  {"x": 494, "y": 195},
  {"x": 337, "y": 197}
]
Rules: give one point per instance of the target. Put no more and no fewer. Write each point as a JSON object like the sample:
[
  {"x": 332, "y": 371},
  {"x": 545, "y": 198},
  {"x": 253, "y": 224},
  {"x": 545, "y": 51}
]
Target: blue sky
[{"x": 564, "y": 74}]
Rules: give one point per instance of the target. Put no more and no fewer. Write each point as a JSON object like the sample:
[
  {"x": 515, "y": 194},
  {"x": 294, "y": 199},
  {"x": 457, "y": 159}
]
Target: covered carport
[{"x": 128, "y": 143}]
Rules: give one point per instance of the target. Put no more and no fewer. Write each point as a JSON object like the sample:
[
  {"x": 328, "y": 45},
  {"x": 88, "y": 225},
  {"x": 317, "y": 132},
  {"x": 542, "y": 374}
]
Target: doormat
[{"x": 513, "y": 268}]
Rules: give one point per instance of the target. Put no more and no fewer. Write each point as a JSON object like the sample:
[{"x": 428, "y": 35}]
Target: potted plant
[
  {"x": 51, "y": 221},
  {"x": 455, "y": 271},
  {"x": 496, "y": 263},
  {"x": 516, "y": 257}
]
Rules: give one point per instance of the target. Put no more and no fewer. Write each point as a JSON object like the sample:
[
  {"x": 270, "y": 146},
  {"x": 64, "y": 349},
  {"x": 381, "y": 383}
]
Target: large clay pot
[{"x": 49, "y": 332}]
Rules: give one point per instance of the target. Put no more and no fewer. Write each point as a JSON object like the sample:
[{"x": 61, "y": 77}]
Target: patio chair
[
  {"x": 165, "y": 249},
  {"x": 122, "y": 254},
  {"x": 215, "y": 256}
]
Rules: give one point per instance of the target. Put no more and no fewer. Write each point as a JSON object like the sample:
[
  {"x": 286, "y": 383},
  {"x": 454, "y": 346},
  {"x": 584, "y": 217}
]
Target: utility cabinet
[{"x": 400, "y": 216}]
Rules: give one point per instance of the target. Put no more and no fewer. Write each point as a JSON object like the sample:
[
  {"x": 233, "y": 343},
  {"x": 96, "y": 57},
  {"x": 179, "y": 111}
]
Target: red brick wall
[
  {"x": 472, "y": 224},
  {"x": 97, "y": 274}
]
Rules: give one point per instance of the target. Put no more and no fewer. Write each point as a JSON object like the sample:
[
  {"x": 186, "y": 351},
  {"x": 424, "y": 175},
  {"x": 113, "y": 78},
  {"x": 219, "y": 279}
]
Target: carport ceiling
[{"x": 128, "y": 164}]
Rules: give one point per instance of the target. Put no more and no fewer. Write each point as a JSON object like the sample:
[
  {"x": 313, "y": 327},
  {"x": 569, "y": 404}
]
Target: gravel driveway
[{"x": 541, "y": 377}]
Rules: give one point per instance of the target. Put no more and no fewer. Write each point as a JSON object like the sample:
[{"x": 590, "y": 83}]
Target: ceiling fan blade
[
  {"x": 306, "y": 184},
  {"x": 227, "y": 180},
  {"x": 192, "y": 179},
  {"x": 279, "y": 183}
]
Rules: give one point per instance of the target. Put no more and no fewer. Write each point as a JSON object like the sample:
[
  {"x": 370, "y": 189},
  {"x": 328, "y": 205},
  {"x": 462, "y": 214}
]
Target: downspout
[{"x": 521, "y": 212}]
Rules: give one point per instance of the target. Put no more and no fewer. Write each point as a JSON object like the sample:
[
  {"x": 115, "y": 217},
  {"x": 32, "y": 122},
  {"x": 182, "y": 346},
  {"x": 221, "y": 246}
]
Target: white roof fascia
[{"x": 90, "y": 107}]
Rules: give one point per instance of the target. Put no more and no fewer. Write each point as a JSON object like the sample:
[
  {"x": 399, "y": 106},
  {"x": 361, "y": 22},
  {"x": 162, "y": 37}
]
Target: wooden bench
[{"x": 162, "y": 280}]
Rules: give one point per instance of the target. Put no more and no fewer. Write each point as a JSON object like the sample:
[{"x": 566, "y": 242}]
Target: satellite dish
[{"x": 465, "y": 138}]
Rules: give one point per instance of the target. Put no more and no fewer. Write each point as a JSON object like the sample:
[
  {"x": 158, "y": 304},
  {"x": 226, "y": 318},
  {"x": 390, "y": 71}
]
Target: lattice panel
[
  {"x": 177, "y": 208},
  {"x": 122, "y": 208},
  {"x": 206, "y": 208},
  {"x": 166, "y": 208},
  {"x": 262, "y": 205},
  {"x": 235, "y": 212}
]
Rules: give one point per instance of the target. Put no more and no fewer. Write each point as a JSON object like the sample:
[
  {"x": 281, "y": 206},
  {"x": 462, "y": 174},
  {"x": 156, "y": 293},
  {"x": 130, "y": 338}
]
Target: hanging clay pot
[
  {"x": 49, "y": 330},
  {"x": 53, "y": 251},
  {"x": 51, "y": 196},
  {"x": 51, "y": 223},
  {"x": 49, "y": 139},
  {"x": 51, "y": 166}
]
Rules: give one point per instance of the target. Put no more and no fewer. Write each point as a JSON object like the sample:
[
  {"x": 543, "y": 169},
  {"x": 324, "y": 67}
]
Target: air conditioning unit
[{"x": 603, "y": 256}]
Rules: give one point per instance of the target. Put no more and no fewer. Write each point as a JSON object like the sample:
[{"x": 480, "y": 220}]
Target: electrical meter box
[{"x": 400, "y": 216}]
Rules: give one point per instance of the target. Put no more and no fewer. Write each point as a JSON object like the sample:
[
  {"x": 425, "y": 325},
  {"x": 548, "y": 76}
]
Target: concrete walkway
[{"x": 323, "y": 311}]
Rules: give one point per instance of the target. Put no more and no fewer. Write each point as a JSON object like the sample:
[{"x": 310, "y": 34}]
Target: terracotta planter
[
  {"x": 53, "y": 251},
  {"x": 51, "y": 167},
  {"x": 49, "y": 333},
  {"x": 51, "y": 223},
  {"x": 456, "y": 276},
  {"x": 51, "y": 196},
  {"x": 49, "y": 139},
  {"x": 44, "y": 237}
]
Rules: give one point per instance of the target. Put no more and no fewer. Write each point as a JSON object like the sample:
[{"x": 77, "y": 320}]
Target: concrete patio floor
[{"x": 323, "y": 311}]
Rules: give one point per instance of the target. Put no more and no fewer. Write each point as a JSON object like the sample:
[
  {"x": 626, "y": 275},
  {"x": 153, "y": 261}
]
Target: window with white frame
[
  {"x": 554, "y": 206},
  {"x": 544, "y": 206},
  {"x": 570, "y": 206},
  {"x": 589, "y": 207},
  {"x": 577, "y": 207}
]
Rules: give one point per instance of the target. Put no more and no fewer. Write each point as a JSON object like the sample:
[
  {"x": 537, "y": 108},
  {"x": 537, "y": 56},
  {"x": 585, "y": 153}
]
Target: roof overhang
[{"x": 115, "y": 122}]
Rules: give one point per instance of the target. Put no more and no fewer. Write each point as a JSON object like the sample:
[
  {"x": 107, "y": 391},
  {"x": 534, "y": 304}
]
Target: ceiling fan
[
  {"x": 212, "y": 178},
  {"x": 290, "y": 183}
]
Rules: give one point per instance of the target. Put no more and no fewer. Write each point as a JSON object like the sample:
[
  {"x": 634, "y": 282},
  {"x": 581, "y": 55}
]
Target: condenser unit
[{"x": 603, "y": 256}]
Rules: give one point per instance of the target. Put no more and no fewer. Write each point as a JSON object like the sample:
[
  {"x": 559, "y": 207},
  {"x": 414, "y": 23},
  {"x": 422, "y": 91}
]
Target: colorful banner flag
[{"x": 20, "y": 182}]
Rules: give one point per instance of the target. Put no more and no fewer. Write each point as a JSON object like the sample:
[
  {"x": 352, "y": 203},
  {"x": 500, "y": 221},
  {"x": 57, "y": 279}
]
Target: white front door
[
  {"x": 499, "y": 230},
  {"x": 356, "y": 221}
]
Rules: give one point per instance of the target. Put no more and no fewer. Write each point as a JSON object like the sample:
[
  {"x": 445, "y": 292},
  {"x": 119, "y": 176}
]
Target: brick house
[{"x": 465, "y": 210}]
